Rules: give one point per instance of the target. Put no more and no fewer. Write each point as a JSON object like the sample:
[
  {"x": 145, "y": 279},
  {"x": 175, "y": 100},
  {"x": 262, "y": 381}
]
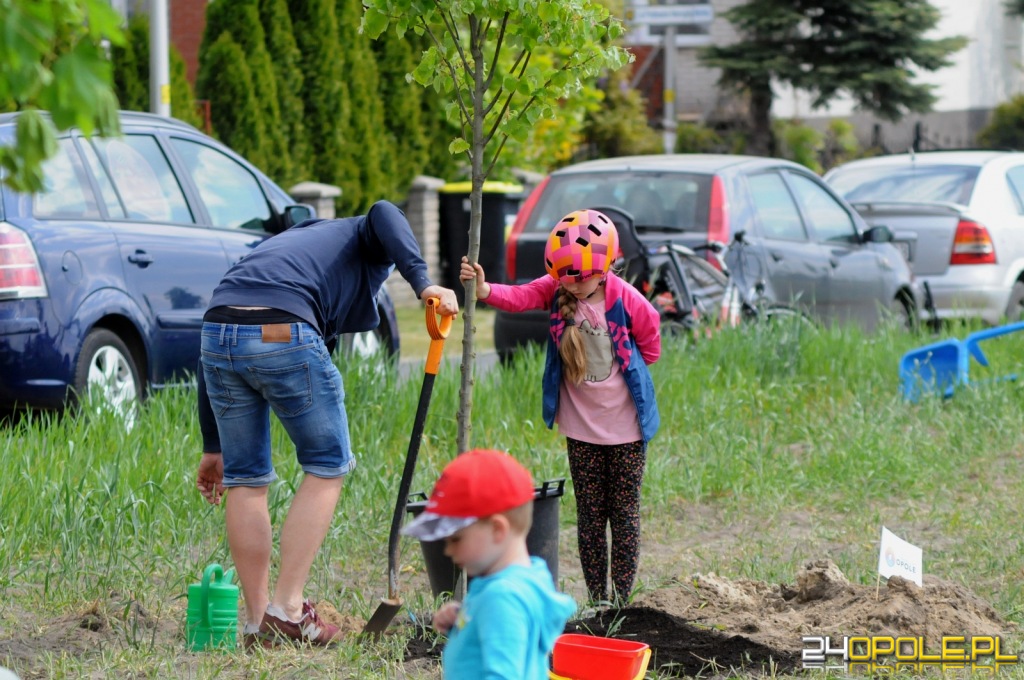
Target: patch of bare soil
[
  {"x": 118, "y": 620},
  {"x": 711, "y": 626}
]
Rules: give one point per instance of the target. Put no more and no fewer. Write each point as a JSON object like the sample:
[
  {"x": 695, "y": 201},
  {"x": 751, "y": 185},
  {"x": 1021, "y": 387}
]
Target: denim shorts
[{"x": 246, "y": 377}]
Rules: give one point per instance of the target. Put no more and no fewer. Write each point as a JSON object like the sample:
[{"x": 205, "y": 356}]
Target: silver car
[
  {"x": 807, "y": 246},
  {"x": 958, "y": 217}
]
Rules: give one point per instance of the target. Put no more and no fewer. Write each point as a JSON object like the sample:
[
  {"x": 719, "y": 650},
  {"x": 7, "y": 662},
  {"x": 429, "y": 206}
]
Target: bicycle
[{"x": 690, "y": 292}]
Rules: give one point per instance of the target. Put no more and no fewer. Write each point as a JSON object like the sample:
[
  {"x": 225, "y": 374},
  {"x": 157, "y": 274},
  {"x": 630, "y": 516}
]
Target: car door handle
[
  {"x": 776, "y": 257},
  {"x": 141, "y": 258},
  {"x": 834, "y": 262}
]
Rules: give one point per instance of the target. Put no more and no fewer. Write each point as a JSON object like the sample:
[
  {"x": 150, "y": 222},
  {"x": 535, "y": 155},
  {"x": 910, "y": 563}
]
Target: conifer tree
[
  {"x": 285, "y": 58},
  {"x": 867, "y": 50},
  {"x": 130, "y": 63},
  {"x": 325, "y": 96},
  {"x": 366, "y": 130},
  {"x": 226, "y": 81},
  {"x": 183, "y": 99},
  {"x": 241, "y": 20},
  {"x": 401, "y": 102}
]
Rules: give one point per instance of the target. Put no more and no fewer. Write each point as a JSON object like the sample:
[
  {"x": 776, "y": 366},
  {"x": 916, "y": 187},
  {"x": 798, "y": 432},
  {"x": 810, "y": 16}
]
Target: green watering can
[{"x": 212, "y": 621}]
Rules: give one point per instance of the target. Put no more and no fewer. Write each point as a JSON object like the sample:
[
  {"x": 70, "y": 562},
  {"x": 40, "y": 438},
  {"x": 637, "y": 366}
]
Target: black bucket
[{"x": 542, "y": 539}]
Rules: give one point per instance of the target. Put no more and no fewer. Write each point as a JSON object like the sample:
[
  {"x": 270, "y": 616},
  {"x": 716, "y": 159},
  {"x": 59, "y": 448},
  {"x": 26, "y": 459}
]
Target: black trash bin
[
  {"x": 541, "y": 541},
  {"x": 499, "y": 204}
]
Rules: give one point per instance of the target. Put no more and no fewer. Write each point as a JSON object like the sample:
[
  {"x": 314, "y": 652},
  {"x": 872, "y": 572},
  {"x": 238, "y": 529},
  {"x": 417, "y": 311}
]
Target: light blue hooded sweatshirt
[{"x": 507, "y": 626}]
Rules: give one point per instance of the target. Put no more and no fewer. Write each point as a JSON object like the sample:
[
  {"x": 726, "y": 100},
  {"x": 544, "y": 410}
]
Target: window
[
  {"x": 66, "y": 192},
  {"x": 775, "y": 208},
  {"x": 669, "y": 200},
  {"x": 231, "y": 193},
  {"x": 829, "y": 219},
  {"x": 148, "y": 188},
  {"x": 952, "y": 183},
  {"x": 110, "y": 199},
  {"x": 1015, "y": 176}
]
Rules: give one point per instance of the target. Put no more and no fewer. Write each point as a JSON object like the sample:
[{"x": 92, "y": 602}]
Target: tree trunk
[
  {"x": 762, "y": 139},
  {"x": 464, "y": 436}
]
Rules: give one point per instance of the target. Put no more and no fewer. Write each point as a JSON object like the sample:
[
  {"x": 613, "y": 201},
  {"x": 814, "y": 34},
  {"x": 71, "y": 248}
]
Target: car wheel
[
  {"x": 107, "y": 373},
  {"x": 1015, "y": 307},
  {"x": 899, "y": 315}
]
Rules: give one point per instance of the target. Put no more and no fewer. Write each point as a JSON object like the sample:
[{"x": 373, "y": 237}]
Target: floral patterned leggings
[{"x": 607, "y": 480}]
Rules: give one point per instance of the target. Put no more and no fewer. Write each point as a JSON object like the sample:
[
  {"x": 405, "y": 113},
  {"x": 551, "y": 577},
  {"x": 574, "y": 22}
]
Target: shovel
[{"x": 390, "y": 605}]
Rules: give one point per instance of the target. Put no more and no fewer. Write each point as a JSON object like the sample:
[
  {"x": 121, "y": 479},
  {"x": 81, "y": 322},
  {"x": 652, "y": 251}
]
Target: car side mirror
[
  {"x": 299, "y": 212},
  {"x": 878, "y": 234}
]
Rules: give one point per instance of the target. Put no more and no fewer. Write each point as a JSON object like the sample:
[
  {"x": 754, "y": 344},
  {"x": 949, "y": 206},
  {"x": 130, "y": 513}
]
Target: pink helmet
[{"x": 582, "y": 244}]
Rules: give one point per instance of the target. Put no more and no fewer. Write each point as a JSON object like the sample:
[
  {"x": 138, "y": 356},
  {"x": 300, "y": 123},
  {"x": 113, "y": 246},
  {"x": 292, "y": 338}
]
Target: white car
[{"x": 958, "y": 217}]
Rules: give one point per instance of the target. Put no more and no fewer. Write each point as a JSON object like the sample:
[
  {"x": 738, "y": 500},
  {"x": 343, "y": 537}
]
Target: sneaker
[
  {"x": 251, "y": 641},
  {"x": 310, "y": 629}
]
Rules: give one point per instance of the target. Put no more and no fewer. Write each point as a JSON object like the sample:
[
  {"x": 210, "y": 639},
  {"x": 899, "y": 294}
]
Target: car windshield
[
  {"x": 950, "y": 183},
  {"x": 670, "y": 201}
]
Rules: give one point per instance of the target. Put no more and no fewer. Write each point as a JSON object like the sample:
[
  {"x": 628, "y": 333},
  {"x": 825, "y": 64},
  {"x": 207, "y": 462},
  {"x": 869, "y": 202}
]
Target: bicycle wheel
[
  {"x": 781, "y": 314},
  {"x": 778, "y": 316}
]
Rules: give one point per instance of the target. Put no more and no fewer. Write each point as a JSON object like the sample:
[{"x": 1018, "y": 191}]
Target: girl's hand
[
  {"x": 445, "y": 617},
  {"x": 469, "y": 271}
]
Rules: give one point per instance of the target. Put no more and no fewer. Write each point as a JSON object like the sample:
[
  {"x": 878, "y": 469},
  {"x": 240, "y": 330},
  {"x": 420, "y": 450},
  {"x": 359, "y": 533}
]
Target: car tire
[
  {"x": 1015, "y": 306},
  {"x": 107, "y": 368},
  {"x": 900, "y": 315}
]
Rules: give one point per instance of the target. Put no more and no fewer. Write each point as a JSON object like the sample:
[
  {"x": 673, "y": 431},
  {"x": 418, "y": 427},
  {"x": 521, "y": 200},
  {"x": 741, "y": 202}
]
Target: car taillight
[
  {"x": 517, "y": 228},
  {"x": 718, "y": 218},
  {"x": 972, "y": 245},
  {"x": 20, "y": 274}
]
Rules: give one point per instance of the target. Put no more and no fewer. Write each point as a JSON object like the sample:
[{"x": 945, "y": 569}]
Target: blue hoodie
[{"x": 507, "y": 626}]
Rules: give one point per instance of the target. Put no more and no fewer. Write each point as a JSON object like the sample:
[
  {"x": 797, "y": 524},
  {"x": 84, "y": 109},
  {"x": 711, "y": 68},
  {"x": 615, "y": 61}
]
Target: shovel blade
[{"x": 386, "y": 611}]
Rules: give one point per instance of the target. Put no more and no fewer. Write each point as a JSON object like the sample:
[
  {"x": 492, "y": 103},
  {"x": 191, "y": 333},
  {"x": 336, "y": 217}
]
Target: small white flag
[{"x": 896, "y": 557}]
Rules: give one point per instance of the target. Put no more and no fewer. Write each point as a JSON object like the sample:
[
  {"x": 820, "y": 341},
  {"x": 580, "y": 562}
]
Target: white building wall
[
  {"x": 985, "y": 73},
  {"x": 982, "y": 75}
]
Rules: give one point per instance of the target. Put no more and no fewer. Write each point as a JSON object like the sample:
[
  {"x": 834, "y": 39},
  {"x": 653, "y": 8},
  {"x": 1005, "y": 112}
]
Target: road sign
[{"x": 670, "y": 15}]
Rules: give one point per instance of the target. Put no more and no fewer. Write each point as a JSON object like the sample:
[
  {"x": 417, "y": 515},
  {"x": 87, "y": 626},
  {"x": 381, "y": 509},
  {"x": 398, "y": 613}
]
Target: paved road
[{"x": 485, "y": 361}]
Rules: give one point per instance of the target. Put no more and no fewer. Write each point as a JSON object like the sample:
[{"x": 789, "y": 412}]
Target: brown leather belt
[{"x": 276, "y": 332}]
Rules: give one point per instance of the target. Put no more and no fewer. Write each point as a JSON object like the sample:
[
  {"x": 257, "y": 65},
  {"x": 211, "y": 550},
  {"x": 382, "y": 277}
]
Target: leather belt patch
[{"x": 277, "y": 332}]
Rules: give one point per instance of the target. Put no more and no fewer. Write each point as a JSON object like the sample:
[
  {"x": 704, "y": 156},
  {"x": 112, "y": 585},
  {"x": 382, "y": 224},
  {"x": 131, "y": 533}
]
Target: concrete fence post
[{"x": 320, "y": 196}]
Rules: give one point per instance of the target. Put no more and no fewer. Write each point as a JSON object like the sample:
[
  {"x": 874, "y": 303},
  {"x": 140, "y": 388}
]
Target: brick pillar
[{"x": 187, "y": 23}]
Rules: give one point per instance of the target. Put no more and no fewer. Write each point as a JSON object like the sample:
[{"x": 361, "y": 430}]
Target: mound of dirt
[{"x": 711, "y": 625}]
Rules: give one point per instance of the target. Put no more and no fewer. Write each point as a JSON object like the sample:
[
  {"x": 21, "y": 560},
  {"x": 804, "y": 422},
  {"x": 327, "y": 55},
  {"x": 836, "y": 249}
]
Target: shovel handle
[{"x": 438, "y": 327}]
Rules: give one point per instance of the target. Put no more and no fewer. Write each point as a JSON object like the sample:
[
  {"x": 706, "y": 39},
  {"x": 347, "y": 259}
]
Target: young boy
[{"x": 482, "y": 506}]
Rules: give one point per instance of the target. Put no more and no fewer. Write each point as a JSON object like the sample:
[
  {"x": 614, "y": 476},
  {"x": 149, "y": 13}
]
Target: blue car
[{"x": 106, "y": 274}]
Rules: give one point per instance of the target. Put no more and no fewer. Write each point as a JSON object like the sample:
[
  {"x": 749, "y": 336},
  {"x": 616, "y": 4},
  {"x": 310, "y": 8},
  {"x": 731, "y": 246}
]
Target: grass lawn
[{"x": 775, "y": 448}]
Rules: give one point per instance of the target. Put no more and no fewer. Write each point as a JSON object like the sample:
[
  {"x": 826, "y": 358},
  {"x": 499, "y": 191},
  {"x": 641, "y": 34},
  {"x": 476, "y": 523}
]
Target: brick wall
[{"x": 188, "y": 20}]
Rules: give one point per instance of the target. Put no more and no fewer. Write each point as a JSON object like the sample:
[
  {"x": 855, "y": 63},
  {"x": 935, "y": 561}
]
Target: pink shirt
[{"x": 600, "y": 409}]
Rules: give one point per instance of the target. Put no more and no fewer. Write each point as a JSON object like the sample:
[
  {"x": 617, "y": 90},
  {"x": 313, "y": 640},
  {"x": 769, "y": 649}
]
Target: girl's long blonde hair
[{"x": 574, "y": 356}]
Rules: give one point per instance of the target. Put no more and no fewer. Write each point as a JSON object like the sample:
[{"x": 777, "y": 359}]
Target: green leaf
[
  {"x": 457, "y": 146},
  {"x": 374, "y": 23}
]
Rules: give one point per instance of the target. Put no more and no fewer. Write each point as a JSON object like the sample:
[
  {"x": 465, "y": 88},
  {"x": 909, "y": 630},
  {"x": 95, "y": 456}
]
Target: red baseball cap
[{"x": 478, "y": 483}]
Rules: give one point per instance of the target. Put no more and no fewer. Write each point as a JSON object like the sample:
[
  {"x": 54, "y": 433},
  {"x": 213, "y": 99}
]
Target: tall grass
[{"x": 797, "y": 438}]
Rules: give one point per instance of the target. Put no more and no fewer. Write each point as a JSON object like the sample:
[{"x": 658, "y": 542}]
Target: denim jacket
[{"x": 633, "y": 324}]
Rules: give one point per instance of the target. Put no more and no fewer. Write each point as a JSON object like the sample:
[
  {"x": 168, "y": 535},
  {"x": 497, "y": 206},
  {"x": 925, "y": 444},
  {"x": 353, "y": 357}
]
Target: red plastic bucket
[{"x": 590, "y": 657}]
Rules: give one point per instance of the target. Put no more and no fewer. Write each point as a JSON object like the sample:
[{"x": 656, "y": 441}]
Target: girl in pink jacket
[{"x": 596, "y": 386}]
